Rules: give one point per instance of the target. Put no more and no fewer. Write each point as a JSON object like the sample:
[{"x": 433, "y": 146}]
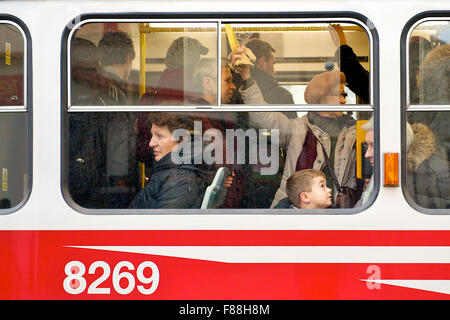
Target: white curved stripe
[
  {"x": 440, "y": 286},
  {"x": 293, "y": 254}
]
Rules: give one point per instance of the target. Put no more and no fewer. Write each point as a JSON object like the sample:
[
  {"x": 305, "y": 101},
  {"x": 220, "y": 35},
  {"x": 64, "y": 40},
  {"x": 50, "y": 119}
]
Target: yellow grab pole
[
  {"x": 142, "y": 63},
  {"x": 232, "y": 40},
  {"x": 360, "y": 138},
  {"x": 142, "y": 89}
]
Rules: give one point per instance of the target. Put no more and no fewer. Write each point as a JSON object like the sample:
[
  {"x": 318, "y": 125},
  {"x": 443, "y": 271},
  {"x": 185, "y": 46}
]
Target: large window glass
[
  {"x": 218, "y": 114},
  {"x": 428, "y": 114},
  {"x": 14, "y": 117}
]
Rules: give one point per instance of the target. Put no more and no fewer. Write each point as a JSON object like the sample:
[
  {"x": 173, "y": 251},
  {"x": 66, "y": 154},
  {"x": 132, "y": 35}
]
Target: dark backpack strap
[{"x": 330, "y": 167}]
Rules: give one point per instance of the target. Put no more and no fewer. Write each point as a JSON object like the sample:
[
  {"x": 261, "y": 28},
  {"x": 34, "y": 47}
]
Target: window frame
[
  {"x": 405, "y": 98},
  {"x": 5, "y": 19},
  {"x": 222, "y": 18},
  {"x": 27, "y": 106}
]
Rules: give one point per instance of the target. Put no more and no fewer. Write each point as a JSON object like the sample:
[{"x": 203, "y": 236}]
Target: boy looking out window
[{"x": 307, "y": 189}]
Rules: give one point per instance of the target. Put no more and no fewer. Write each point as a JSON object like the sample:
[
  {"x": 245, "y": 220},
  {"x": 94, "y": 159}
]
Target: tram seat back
[{"x": 215, "y": 193}]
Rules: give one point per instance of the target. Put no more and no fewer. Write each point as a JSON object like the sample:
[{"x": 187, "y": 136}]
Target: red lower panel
[{"x": 37, "y": 264}]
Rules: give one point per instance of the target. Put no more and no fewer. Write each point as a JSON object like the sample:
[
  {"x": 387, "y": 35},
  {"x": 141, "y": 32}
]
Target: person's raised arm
[
  {"x": 337, "y": 35},
  {"x": 251, "y": 94},
  {"x": 357, "y": 77}
]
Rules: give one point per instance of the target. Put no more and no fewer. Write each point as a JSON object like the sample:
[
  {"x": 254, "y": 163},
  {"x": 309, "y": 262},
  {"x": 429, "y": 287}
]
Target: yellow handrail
[
  {"x": 232, "y": 40},
  {"x": 142, "y": 51},
  {"x": 360, "y": 138},
  {"x": 149, "y": 29}
]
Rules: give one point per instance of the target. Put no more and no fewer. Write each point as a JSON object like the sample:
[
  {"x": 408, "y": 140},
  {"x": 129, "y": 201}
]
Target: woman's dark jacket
[{"x": 171, "y": 185}]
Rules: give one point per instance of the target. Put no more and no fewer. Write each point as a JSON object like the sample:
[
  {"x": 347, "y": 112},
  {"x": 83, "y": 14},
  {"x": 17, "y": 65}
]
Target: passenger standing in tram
[
  {"x": 85, "y": 67},
  {"x": 305, "y": 136},
  {"x": 116, "y": 56},
  {"x": 433, "y": 89},
  {"x": 356, "y": 76},
  {"x": 264, "y": 75},
  {"x": 173, "y": 185},
  {"x": 205, "y": 83},
  {"x": 418, "y": 49},
  {"x": 86, "y": 143},
  {"x": 428, "y": 166},
  {"x": 182, "y": 57}
]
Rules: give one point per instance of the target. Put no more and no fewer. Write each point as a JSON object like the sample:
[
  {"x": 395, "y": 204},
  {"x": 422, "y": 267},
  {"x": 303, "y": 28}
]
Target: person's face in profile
[
  {"x": 336, "y": 95},
  {"x": 369, "y": 141},
  {"x": 161, "y": 142},
  {"x": 227, "y": 85},
  {"x": 267, "y": 64},
  {"x": 320, "y": 194}
]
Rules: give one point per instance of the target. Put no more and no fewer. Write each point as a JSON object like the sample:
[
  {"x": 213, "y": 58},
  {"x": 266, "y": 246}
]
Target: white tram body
[{"x": 50, "y": 248}]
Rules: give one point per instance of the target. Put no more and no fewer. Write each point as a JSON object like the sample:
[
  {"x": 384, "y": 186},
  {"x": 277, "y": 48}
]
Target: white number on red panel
[{"x": 123, "y": 280}]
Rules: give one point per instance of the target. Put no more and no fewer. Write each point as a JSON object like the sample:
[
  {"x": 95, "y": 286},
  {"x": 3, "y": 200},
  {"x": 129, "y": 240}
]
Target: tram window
[
  {"x": 188, "y": 82},
  {"x": 14, "y": 119},
  {"x": 428, "y": 114}
]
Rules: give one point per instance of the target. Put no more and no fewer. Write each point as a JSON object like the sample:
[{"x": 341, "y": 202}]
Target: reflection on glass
[
  {"x": 429, "y": 56},
  {"x": 11, "y": 66}
]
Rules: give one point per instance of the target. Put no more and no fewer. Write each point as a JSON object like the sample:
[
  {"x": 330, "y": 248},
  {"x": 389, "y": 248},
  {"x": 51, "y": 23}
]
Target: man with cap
[
  {"x": 336, "y": 131},
  {"x": 182, "y": 57}
]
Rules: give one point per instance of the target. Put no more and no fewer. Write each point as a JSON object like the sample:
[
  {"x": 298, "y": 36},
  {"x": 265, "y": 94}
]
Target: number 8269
[{"x": 76, "y": 283}]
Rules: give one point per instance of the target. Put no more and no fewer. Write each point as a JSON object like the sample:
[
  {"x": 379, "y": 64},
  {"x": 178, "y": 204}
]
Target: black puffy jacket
[{"x": 180, "y": 186}]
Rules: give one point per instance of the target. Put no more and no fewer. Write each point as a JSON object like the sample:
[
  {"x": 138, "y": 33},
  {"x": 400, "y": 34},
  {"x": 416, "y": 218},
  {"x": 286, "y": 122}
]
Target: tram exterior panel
[{"x": 52, "y": 248}]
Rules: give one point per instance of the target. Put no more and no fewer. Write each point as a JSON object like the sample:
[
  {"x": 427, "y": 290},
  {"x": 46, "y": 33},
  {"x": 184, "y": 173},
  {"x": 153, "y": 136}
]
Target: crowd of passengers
[{"x": 320, "y": 163}]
